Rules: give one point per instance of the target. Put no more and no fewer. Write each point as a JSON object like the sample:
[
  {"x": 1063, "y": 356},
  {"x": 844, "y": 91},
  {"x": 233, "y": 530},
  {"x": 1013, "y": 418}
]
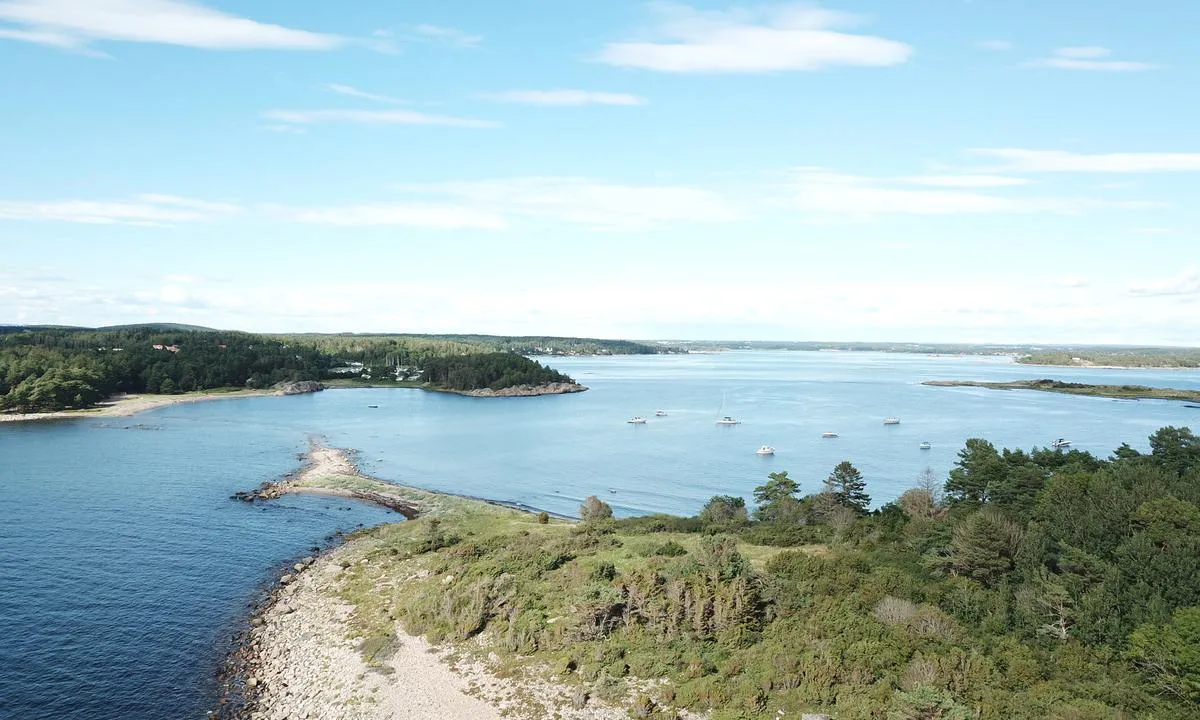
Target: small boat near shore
[
  {"x": 765, "y": 450},
  {"x": 1060, "y": 444},
  {"x": 925, "y": 446},
  {"x": 829, "y": 435},
  {"x": 728, "y": 421},
  {"x": 891, "y": 421},
  {"x": 636, "y": 420}
]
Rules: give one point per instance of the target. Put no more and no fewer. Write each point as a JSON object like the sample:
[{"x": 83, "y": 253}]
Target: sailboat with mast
[{"x": 726, "y": 419}]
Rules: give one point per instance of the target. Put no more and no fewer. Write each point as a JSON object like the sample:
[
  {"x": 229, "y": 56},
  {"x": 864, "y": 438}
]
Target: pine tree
[{"x": 847, "y": 486}]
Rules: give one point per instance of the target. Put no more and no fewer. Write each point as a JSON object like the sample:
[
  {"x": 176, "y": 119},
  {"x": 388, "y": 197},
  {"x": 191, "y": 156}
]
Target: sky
[{"x": 1013, "y": 171}]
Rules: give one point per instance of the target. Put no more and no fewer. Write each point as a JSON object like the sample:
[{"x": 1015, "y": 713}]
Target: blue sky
[{"x": 934, "y": 170}]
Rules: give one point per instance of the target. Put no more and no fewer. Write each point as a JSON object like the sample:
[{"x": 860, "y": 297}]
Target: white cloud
[
  {"x": 374, "y": 117},
  {"x": 73, "y": 24},
  {"x": 565, "y": 97},
  {"x": 591, "y": 203},
  {"x": 821, "y": 192},
  {"x": 1022, "y": 160},
  {"x": 995, "y": 45},
  {"x": 968, "y": 181},
  {"x": 440, "y": 217},
  {"x": 148, "y": 209},
  {"x": 1089, "y": 58},
  {"x": 781, "y": 38},
  {"x": 1083, "y": 53},
  {"x": 1186, "y": 283},
  {"x": 363, "y": 95},
  {"x": 447, "y": 35}
]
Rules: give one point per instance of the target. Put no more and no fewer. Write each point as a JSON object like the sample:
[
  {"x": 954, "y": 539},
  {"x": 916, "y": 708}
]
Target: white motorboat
[
  {"x": 728, "y": 421},
  {"x": 891, "y": 421},
  {"x": 1060, "y": 443},
  {"x": 636, "y": 420},
  {"x": 660, "y": 413},
  {"x": 925, "y": 446},
  {"x": 765, "y": 450},
  {"x": 828, "y": 435}
]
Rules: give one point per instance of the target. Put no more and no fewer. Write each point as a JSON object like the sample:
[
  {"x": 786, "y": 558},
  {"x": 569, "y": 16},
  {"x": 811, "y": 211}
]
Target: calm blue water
[{"x": 124, "y": 567}]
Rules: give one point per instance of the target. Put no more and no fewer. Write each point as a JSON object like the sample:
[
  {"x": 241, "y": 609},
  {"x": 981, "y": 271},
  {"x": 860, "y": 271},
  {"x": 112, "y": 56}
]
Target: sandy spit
[{"x": 126, "y": 405}]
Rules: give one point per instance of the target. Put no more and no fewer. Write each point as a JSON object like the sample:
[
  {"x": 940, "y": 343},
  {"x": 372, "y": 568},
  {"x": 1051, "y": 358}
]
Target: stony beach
[{"x": 301, "y": 657}]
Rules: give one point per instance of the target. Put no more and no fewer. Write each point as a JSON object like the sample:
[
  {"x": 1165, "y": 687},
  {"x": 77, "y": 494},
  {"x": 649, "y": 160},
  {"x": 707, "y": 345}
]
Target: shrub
[{"x": 594, "y": 509}]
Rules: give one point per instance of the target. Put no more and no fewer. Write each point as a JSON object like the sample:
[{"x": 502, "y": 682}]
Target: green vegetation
[
  {"x": 48, "y": 369},
  {"x": 1041, "y": 584},
  {"x": 1127, "y": 392},
  {"x": 44, "y": 370},
  {"x": 487, "y": 370},
  {"x": 1115, "y": 357}
]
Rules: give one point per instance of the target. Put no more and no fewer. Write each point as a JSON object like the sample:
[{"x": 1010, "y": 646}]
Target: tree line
[
  {"x": 1034, "y": 584},
  {"x": 47, "y": 369}
]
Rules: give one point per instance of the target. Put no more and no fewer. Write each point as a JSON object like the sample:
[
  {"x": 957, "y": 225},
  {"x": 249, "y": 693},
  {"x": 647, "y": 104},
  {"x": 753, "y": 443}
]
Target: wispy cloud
[
  {"x": 590, "y": 203},
  {"x": 374, "y": 117},
  {"x": 1050, "y": 161},
  {"x": 565, "y": 97},
  {"x": 831, "y": 194},
  {"x": 74, "y": 24},
  {"x": 363, "y": 95},
  {"x": 1089, "y": 58},
  {"x": 967, "y": 181},
  {"x": 147, "y": 209},
  {"x": 782, "y": 38},
  {"x": 995, "y": 45},
  {"x": 1185, "y": 283},
  {"x": 439, "y": 217},
  {"x": 446, "y": 35}
]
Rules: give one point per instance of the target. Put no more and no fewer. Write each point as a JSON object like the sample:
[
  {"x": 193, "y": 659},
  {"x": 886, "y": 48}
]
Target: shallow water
[{"x": 124, "y": 566}]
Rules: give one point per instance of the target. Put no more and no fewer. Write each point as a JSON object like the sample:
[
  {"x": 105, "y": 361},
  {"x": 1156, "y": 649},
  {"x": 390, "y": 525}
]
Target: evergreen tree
[
  {"x": 977, "y": 473},
  {"x": 847, "y": 487}
]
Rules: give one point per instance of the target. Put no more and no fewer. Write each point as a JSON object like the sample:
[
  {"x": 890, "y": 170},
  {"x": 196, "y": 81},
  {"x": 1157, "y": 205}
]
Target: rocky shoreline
[
  {"x": 300, "y": 656},
  {"x": 524, "y": 390}
]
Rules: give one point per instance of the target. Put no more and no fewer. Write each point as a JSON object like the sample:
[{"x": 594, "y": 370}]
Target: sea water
[{"x": 125, "y": 568}]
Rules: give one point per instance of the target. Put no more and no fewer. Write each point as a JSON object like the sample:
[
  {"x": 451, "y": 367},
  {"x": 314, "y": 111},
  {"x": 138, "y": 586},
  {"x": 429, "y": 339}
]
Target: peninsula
[
  {"x": 933, "y": 606},
  {"x": 50, "y": 370},
  {"x": 1122, "y": 392}
]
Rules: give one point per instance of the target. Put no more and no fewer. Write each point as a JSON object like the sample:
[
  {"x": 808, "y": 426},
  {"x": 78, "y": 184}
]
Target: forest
[
  {"x": 48, "y": 369},
  {"x": 1026, "y": 585}
]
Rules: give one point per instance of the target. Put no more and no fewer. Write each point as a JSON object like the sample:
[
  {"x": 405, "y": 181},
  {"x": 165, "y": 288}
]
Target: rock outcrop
[
  {"x": 527, "y": 390},
  {"x": 300, "y": 387}
]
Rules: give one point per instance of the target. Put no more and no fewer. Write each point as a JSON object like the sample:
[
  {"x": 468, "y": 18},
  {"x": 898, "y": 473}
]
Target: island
[
  {"x": 992, "y": 595},
  {"x": 1121, "y": 392}
]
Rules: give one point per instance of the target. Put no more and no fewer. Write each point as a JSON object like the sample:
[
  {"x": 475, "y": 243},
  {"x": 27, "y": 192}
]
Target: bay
[{"x": 124, "y": 566}]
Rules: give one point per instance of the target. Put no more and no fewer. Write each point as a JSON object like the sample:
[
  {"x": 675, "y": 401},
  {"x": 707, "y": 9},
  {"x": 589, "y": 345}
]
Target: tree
[
  {"x": 777, "y": 494},
  {"x": 1169, "y": 655},
  {"x": 594, "y": 509},
  {"x": 848, "y": 488},
  {"x": 984, "y": 545},
  {"x": 977, "y": 473},
  {"x": 724, "y": 510},
  {"x": 1175, "y": 449}
]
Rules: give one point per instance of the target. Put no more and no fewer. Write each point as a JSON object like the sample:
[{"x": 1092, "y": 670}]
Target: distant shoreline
[
  {"x": 1116, "y": 392},
  {"x": 129, "y": 405}
]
